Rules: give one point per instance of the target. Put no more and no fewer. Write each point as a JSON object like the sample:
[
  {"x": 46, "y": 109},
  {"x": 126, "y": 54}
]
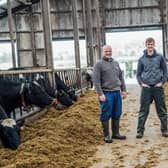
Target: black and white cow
[
  {"x": 9, "y": 131},
  {"x": 87, "y": 74},
  {"x": 62, "y": 86},
  {"x": 16, "y": 94},
  {"x": 63, "y": 93}
]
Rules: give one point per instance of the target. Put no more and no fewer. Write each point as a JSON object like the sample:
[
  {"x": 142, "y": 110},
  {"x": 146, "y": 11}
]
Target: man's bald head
[
  {"x": 106, "y": 47},
  {"x": 107, "y": 51}
]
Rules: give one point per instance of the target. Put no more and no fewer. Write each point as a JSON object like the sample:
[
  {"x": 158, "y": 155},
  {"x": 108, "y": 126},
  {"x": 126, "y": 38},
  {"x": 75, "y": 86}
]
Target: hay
[{"x": 64, "y": 138}]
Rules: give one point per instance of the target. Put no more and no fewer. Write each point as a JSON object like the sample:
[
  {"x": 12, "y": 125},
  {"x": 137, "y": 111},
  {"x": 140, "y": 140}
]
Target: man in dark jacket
[
  {"x": 151, "y": 76},
  {"x": 109, "y": 84}
]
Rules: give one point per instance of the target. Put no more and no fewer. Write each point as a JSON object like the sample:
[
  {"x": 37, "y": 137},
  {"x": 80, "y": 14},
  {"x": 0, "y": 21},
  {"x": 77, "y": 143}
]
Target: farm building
[{"x": 47, "y": 49}]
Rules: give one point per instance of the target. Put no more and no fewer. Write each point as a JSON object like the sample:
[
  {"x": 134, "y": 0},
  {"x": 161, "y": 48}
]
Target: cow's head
[
  {"x": 64, "y": 98},
  {"x": 71, "y": 93},
  {"x": 46, "y": 85},
  {"x": 10, "y": 133},
  {"x": 35, "y": 94}
]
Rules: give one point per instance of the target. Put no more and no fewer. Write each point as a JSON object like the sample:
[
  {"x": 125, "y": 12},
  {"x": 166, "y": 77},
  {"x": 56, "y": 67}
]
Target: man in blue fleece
[
  {"x": 151, "y": 76},
  {"x": 109, "y": 84}
]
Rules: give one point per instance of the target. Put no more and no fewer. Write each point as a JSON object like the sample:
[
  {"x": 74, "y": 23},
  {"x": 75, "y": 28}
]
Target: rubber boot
[
  {"x": 164, "y": 126},
  {"x": 139, "y": 135},
  {"x": 105, "y": 126},
  {"x": 115, "y": 130}
]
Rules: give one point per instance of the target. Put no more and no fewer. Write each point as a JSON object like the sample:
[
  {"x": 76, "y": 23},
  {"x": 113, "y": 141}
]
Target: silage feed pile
[{"x": 60, "y": 139}]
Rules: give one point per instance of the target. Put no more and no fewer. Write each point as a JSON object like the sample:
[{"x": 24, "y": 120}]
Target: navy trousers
[{"x": 112, "y": 107}]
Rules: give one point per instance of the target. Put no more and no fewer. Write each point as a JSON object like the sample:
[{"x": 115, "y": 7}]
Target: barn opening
[
  {"x": 64, "y": 53},
  {"x": 128, "y": 45},
  {"x": 5, "y": 54}
]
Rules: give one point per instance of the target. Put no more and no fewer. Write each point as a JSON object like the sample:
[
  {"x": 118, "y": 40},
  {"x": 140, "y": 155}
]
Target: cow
[
  {"x": 62, "y": 86},
  {"x": 16, "y": 94},
  {"x": 65, "y": 94},
  {"x": 61, "y": 96},
  {"x": 87, "y": 74},
  {"x": 9, "y": 131}
]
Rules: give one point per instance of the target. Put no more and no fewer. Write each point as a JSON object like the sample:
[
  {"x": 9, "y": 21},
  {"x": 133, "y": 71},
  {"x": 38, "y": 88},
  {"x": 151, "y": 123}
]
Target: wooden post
[
  {"x": 17, "y": 42},
  {"x": 11, "y": 32},
  {"x": 89, "y": 33},
  {"x": 85, "y": 29},
  {"x": 47, "y": 33},
  {"x": 102, "y": 20},
  {"x": 76, "y": 34},
  {"x": 48, "y": 38},
  {"x": 76, "y": 42},
  {"x": 98, "y": 29},
  {"x": 32, "y": 38},
  {"x": 163, "y": 19},
  {"x": 166, "y": 29}
]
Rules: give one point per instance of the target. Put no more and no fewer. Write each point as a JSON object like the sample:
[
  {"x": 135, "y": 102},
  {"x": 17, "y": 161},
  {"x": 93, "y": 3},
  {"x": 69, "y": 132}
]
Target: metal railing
[
  {"x": 26, "y": 75},
  {"x": 73, "y": 78}
]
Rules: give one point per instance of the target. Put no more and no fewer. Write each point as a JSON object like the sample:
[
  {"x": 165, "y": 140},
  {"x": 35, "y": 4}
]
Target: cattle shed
[
  {"x": 33, "y": 25},
  {"x": 37, "y": 34}
]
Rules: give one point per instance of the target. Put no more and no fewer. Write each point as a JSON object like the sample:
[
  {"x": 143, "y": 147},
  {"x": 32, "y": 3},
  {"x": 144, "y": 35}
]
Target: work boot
[
  {"x": 139, "y": 135},
  {"x": 105, "y": 126},
  {"x": 115, "y": 130}
]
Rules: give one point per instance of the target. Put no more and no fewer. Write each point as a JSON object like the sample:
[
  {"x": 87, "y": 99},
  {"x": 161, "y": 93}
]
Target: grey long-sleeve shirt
[{"x": 107, "y": 76}]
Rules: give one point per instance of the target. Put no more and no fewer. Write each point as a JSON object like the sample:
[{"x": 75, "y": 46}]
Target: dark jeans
[{"x": 147, "y": 95}]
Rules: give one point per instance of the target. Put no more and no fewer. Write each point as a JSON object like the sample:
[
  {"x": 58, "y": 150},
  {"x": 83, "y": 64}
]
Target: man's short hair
[{"x": 150, "y": 40}]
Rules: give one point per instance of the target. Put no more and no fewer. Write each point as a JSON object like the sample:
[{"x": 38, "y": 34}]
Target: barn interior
[{"x": 65, "y": 37}]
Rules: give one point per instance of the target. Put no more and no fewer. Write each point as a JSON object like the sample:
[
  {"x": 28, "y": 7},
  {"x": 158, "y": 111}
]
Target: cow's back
[{"x": 9, "y": 88}]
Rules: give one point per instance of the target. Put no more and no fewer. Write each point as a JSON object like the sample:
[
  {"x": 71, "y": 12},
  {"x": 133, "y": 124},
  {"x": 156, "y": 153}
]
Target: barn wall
[
  {"x": 114, "y": 13},
  {"x": 131, "y": 13}
]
